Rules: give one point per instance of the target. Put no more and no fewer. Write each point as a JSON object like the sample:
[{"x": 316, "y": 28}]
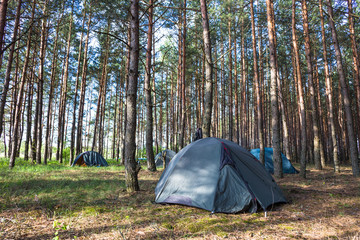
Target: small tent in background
[
  {"x": 167, "y": 154},
  {"x": 219, "y": 176},
  {"x": 269, "y": 165},
  {"x": 90, "y": 158}
]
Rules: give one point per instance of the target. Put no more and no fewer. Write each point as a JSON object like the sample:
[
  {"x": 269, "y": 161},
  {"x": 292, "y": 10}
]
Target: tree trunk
[
  {"x": 216, "y": 97},
  {"x": 230, "y": 91},
  {"x": 243, "y": 116},
  {"x": 127, "y": 69},
  {"x": 28, "y": 121},
  {"x": 236, "y": 95},
  {"x": 131, "y": 167},
  {"x": 29, "y": 96},
  {"x": 198, "y": 94},
  {"x": 302, "y": 114},
  {"x": 120, "y": 117},
  {"x": 314, "y": 110},
  {"x": 223, "y": 86},
  {"x": 103, "y": 95},
  {"x": 273, "y": 91},
  {"x": 82, "y": 91},
  {"x": 183, "y": 81},
  {"x": 160, "y": 135},
  {"x": 115, "y": 122},
  {"x": 63, "y": 98},
  {"x": 148, "y": 99},
  {"x": 20, "y": 95},
  {"x": 322, "y": 126},
  {"x": 51, "y": 93},
  {"x": 345, "y": 96},
  {"x": 329, "y": 95},
  {"x": 98, "y": 130},
  {"x": 155, "y": 121},
  {"x": 173, "y": 114},
  {"x": 356, "y": 61},
  {"x": 3, "y": 8},
  {"x": 167, "y": 133},
  {"x": 208, "y": 69},
  {"x": 43, "y": 44},
  {"x": 257, "y": 88},
  {"x": 73, "y": 127}
]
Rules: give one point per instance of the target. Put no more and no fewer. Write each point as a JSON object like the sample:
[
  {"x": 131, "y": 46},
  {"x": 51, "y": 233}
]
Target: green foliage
[{"x": 66, "y": 154}]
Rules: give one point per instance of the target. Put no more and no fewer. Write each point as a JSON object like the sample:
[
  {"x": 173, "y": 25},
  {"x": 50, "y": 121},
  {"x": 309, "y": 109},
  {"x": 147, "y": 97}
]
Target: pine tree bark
[
  {"x": 216, "y": 99},
  {"x": 223, "y": 86},
  {"x": 30, "y": 93},
  {"x": 63, "y": 97},
  {"x": 155, "y": 121},
  {"x": 261, "y": 78},
  {"x": 345, "y": 96},
  {"x": 30, "y": 90},
  {"x": 36, "y": 120},
  {"x": 230, "y": 91},
  {"x": 51, "y": 92},
  {"x": 183, "y": 81},
  {"x": 208, "y": 70},
  {"x": 127, "y": 69},
  {"x": 173, "y": 115},
  {"x": 167, "y": 133},
  {"x": 355, "y": 60},
  {"x": 3, "y": 10},
  {"x": 243, "y": 110},
  {"x": 3, "y": 7},
  {"x": 120, "y": 117},
  {"x": 43, "y": 44},
  {"x": 148, "y": 99},
  {"x": 160, "y": 135},
  {"x": 257, "y": 88},
  {"x": 329, "y": 94},
  {"x": 322, "y": 126},
  {"x": 20, "y": 94},
  {"x": 98, "y": 130},
  {"x": 103, "y": 94},
  {"x": 314, "y": 111},
  {"x": 115, "y": 120},
  {"x": 131, "y": 167},
  {"x": 82, "y": 91},
  {"x": 302, "y": 114},
  {"x": 236, "y": 90},
  {"x": 284, "y": 120},
  {"x": 73, "y": 127},
  {"x": 273, "y": 91}
]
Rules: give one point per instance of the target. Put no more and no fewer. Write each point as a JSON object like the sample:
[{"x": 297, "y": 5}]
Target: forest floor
[{"x": 91, "y": 203}]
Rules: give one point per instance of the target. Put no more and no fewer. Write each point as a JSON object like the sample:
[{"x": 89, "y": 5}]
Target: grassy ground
[{"x": 59, "y": 202}]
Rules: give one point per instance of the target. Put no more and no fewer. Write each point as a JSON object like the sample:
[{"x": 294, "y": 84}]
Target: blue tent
[
  {"x": 89, "y": 159},
  {"x": 269, "y": 165}
]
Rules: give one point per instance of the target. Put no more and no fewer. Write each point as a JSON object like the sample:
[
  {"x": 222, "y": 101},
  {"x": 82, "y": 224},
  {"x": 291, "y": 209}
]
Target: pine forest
[{"x": 129, "y": 79}]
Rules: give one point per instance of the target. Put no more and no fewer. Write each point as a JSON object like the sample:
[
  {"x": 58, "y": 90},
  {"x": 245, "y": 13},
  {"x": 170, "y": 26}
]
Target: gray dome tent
[
  {"x": 90, "y": 158},
  {"x": 169, "y": 154},
  {"x": 219, "y": 176}
]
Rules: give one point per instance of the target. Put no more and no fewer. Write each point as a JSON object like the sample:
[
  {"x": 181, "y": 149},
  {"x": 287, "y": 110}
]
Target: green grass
[
  {"x": 55, "y": 201},
  {"x": 57, "y": 187}
]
